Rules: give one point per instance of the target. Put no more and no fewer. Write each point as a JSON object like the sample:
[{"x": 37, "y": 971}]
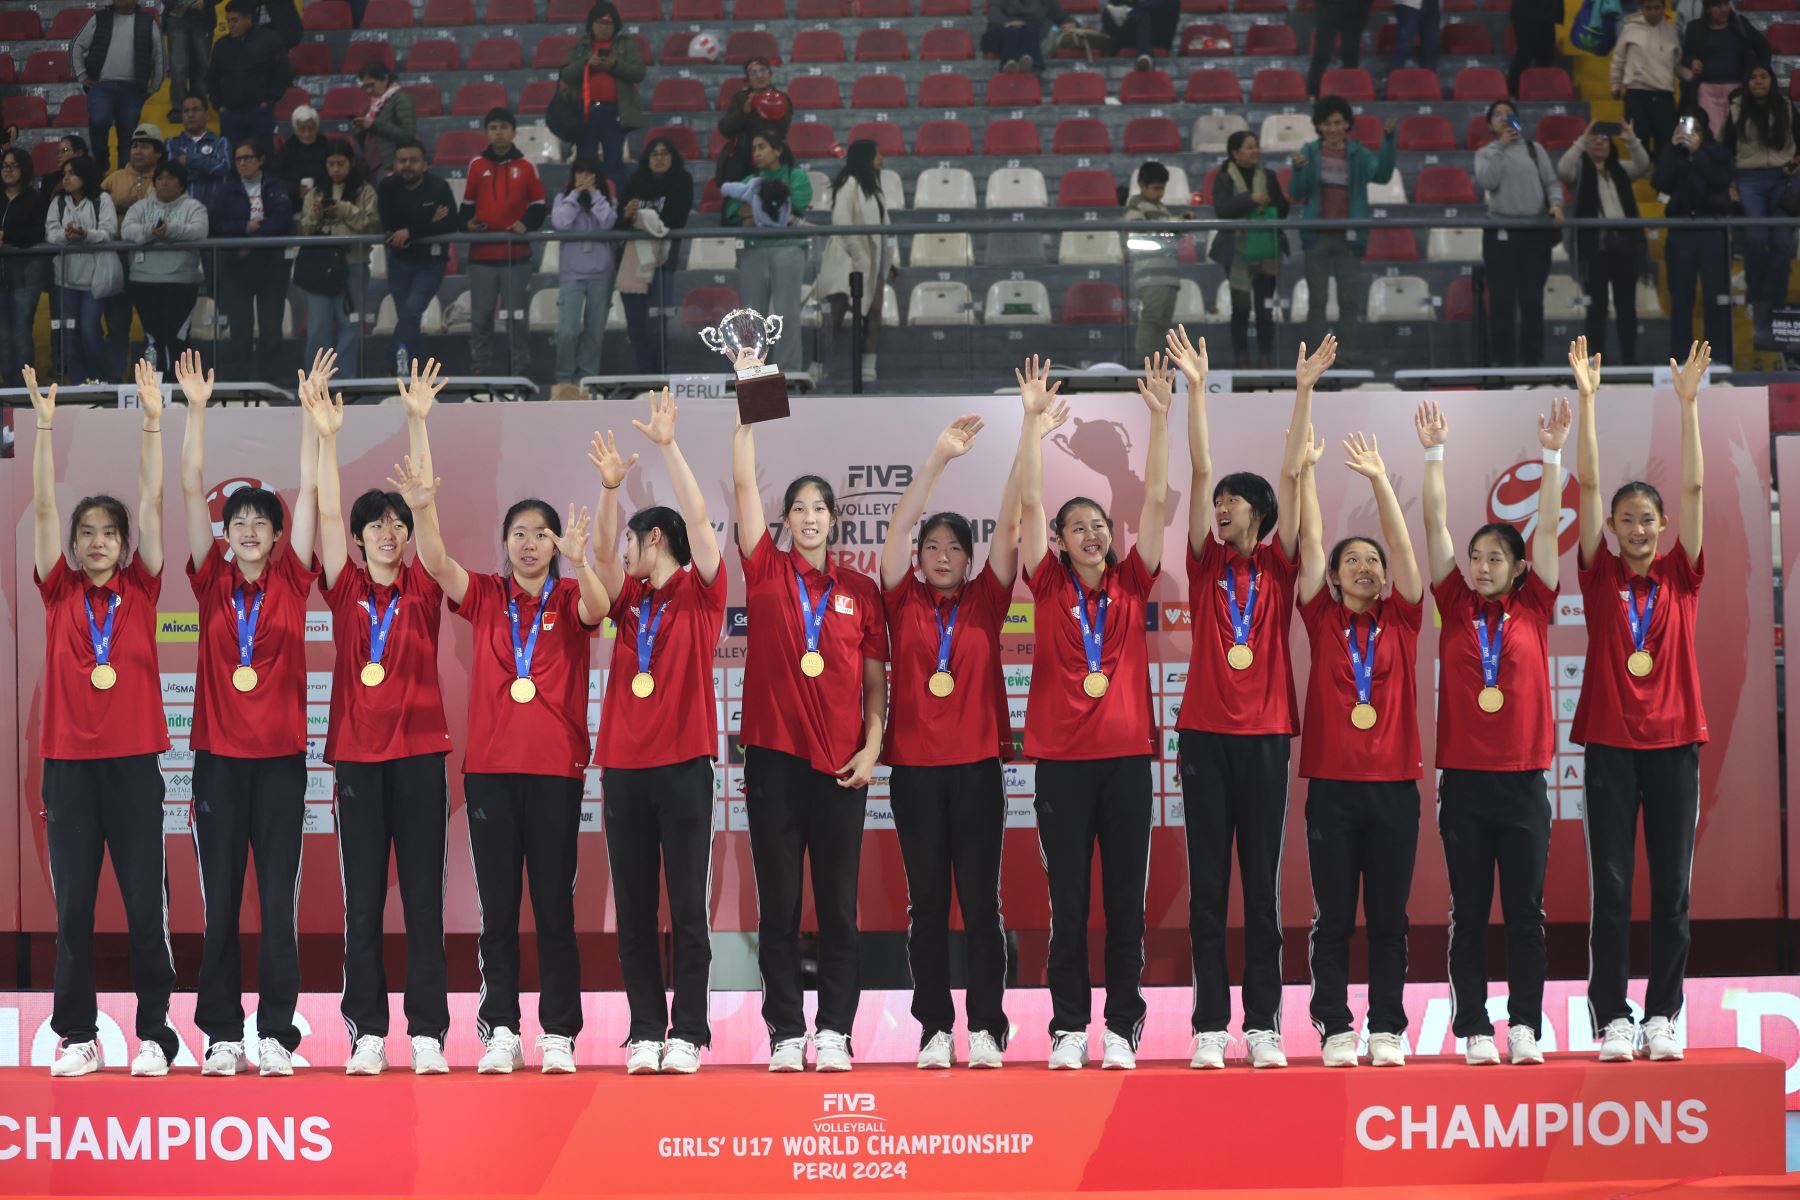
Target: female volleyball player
[
  {"x": 1495, "y": 739},
  {"x": 1640, "y": 716}
]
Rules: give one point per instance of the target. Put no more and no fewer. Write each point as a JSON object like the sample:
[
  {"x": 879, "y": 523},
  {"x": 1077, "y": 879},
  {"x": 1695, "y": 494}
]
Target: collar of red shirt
[{"x": 90, "y": 588}]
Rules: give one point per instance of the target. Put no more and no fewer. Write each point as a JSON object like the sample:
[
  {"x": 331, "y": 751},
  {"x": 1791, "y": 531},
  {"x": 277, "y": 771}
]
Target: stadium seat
[
  {"x": 1479, "y": 85},
  {"x": 1010, "y": 137},
  {"x": 1016, "y": 302},
  {"x": 1214, "y": 85},
  {"x": 1081, "y": 135},
  {"x": 1147, "y": 87},
  {"x": 343, "y": 103},
  {"x": 495, "y": 54},
  {"x": 1090, "y": 248},
  {"x": 710, "y": 254},
  {"x": 703, "y": 306},
  {"x": 1152, "y": 135},
  {"x": 1391, "y": 245},
  {"x": 675, "y": 93},
  {"x": 746, "y": 44},
  {"x": 1414, "y": 85},
  {"x": 1010, "y": 90},
  {"x": 1369, "y": 130},
  {"x": 566, "y": 12},
  {"x": 945, "y": 302},
  {"x": 821, "y": 189},
  {"x": 475, "y": 99},
  {"x": 885, "y": 134},
  {"x": 20, "y": 25},
  {"x": 1300, "y": 305},
  {"x": 432, "y": 54},
  {"x": 759, "y": 10},
  {"x": 818, "y": 46},
  {"x": 884, "y": 10},
  {"x": 1465, "y": 37},
  {"x": 357, "y": 55},
  {"x": 943, "y": 139},
  {"x": 1074, "y": 88},
  {"x": 458, "y": 148},
  {"x": 6, "y": 69},
  {"x": 534, "y": 97},
  {"x": 69, "y": 22},
  {"x": 1190, "y": 302},
  {"x": 1649, "y": 300},
  {"x": 1426, "y": 133},
  {"x": 942, "y": 250},
  {"x": 878, "y": 91},
  {"x": 27, "y": 112},
  {"x": 43, "y": 155},
  {"x": 324, "y": 15},
  {"x": 552, "y": 52},
  {"x": 386, "y": 14},
  {"x": 1178, "y": 191},
  {"x": 1095, "y": 302},
  {"x": 1546, "y": 84},
  {"x": 810, "y": 93},
  {"x": 524, "y": 12},
  {"x": 293, "y": 98},
  {"x": 1400, "y": 298},
  {"x": 1016, "y": 187},
  {"x": 537, "y": 143},
  {"x": 946, "y": 45},
  {"x": 1558, "y": 132},
  {"x": 1210, "y": 133},
  {"x": 1479, "y": 133},
  {"x": 1206, "y": 39},
  {"x": 385, "y": 318},
  {"x": 1784, "y": 38},
  {"x": 1443, "y": 185},
  {"x": 682, "y": 137},
  {"x": 310, "y": 58},
  {"x": 1453, "y": 245},
  {"x": 882, "y": 45},
  {"x": 944, "y": 187},
  {"x": 1271, "y": 39},
  {"x": 1087, "y": 188},
  {"x": 944, "y": 8},
  {"x": 948, "y": 89},
  {"x": 1285, "y": 133},
  {"x": 47, "y": 66},
  {"x": 1459, "y": 299},
  {"x": 442, "y": 14},
  {"x": 1352, "y": 83},
  {"x": 72, "y": 113},
  {"x": 810, "y": 139},
  {"x": 1563, "y": 299},
  {"x": 1277, "y": 85},
  {"x": 697, "y": 10},
  {"x": 821, "y": 10},
  {"x": 541, "y": 315},
  {"x": 1261, "y": 6}
]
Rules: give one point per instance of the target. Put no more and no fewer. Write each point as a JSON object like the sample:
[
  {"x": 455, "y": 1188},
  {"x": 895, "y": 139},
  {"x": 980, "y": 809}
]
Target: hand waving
[
  {"x": 327, "y": 413},
  {"x": 149, "y": 390},
  {"x": 196, "y": 385},
  {"x": 1190, "y": 357},
  {"x": 1157, "y": 387},
  {"x": 415, "y": 482},
  {"x": 573, "y": 543},
  {"x": 1035, "y": 388},
  {"x": 43, "y": 403},
  {"x": 418, "y": 394},
  {"x": 957, "y": 437},
  {"x": 1308, "y": 370},
  {"x": 1364, "y": 456},
  {"x": 661, "y": 427},
  {"x": 1553, "y": 430},
  {"x": 603, "y": 452},
  {"x": 1587, "y": 370},
  {"x": 1689, "y": 374},
  {"x": 1429, "y": 422},
  {"x": 1054, "y": 418}
]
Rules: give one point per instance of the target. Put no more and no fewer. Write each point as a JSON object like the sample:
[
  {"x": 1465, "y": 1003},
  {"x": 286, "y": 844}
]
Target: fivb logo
[
  {"x": 1513, "y": 501},
  {"x": 849, "y": 1112}
]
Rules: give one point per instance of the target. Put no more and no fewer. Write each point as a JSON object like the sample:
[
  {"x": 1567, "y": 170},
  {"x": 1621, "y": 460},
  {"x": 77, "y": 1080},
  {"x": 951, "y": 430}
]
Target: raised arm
[
  {"x": 1312, "y": 522},
  {"x": 306, "y": 503},
  {"x": 703, "y": 543},
  {"x": 1363, "y": 456},
  {"x": 1191, "y": 360},
  {"x": 573, "y": 545},
  {"x": 419, "y": 487},
  {"x": 751, "y": 524},
  {"x": 1308, "y": 369},
  {"x": 46, "y": 520},
  {"x": 1546, "y": 546},
  {"x": 327, "y": 417},
  {"x": 1157, "y": 388},
  {"x": 150, "y": 470},
  {"x": 603, "y": 452},
  {"x": 197, "y": 386},
  {"x": 896, "y": 550},
  {"x": 1440, "y": 549},
  {"x": 1003, "y": 551},
  {"x": 417, "y": 395},
  {"x": 1036, "y": 394},
  {"x": 1590, "y": 509},
  {"x": 1693, "y": 473}
]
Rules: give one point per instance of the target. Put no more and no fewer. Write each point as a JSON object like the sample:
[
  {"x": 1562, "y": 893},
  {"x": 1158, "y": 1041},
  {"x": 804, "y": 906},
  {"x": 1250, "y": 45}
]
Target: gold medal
[
  {"x": 812, "y": 664},
  {"x": 1639, "y": 663},
  {"x": 1095, "y": 684},
  {"x": 523, "y": 690},
  {"x": 1491, "y": 700},
  {"x": 642, "y": 684},
  {"x": 372, "y": 674},
  {"x": 1363, "y": 716},
  {"x": 103, "y": 676},
  {"x": 942, "y": 684},
  {"x": 244, "y": 679},
  {"x": 1240, "y": 657}
]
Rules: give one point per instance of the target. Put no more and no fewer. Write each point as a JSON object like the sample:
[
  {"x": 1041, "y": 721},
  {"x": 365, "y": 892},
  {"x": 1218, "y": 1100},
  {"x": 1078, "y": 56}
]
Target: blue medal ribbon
[
  {"x": 246, "y": 623},
  {"x": 378, "y": 631},
  {"x": 1640, "y": 621},
  {"x": 1362, "y": 661},
  {"x": 812, "y": 618},
  {"x": 523, "y": 650},
  {"x": 646, "y": 632},
  {"x": 944, "y": 633},
  {"x": 102, "y": 635},
  {"x": 1241, "y": 617},
  {"x": 1490, "y": 640},
  {"x": 1092, "y": 634}
]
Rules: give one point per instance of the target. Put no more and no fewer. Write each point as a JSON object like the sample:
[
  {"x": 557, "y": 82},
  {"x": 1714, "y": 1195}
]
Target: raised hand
[
  {"x": 327, "y": 414},
  {"x": 957, "y": 437},
  {"x": 1053, "y": 418},
  {"x": 1189, "y": 357},
  {"x": 1363, "y": 456},
  {"x": 1157, "y": 387},
  {"x": 1429, "y": 422},
  {"x": 603, "y": 452},
  {"x": 1689, "y": 374},
  {"x": 1035, "y": 388},
  {"x": 1587, "y": 370},
  {"x": 418, "y": 394},
  {"x": 415, "y": 482},
  {"x": 661, "y": 427},
  {"x": 1553, "y": 430},
  {"x": 1307, "y": 370},
  {"x": 196, "y": 385},
  {"x": 43, "y": 403},
  {"x": 324, "y": 365},
  {"x": 149, "y": 390},
  {"x": 573, "y": 543},
  {"x": 746, "y": 359},
  {"x": 1314, "y": 451}
]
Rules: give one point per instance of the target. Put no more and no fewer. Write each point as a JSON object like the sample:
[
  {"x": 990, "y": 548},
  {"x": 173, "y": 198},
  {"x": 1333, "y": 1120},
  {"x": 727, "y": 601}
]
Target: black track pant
[
  {"x": 402, "y": 805},
  {"x": 663, "y": 815},
  {"x": 799, "y": 815},
  {"x": 1495, "y": 820},
  {"x": 1235, "y": 785},
  {"x": 1665, "y": 786},
  {"x": 525, "y": 826},
  {"x": 1360, "y": 836},
  {"x": 246, "y": 807},
  {"x": 952, "y": 825},
  {"x": 1081, "y": 803},
  {"x": 93, "y": 806}
]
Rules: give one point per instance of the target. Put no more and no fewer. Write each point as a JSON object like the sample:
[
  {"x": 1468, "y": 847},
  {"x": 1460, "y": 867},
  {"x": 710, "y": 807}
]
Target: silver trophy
[{"x": 762, "y": 393}]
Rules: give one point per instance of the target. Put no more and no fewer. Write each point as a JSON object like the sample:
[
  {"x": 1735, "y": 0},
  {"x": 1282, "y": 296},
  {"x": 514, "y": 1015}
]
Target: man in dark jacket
[
  {"x": 1695, "y": 171},
  {"x": 118, "y": 56},
  {"x": 253, "y": 284},
  {"x": 247, "y": 77},
  {"x": 413, "y": 204}
]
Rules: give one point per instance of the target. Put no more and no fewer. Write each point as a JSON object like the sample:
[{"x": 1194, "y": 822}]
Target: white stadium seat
[
  {"x": 942, "y": 250},
  {"x": 1284, "y": 133},
  {"x": 944, "y": 187},
  {"x": 1017, "y": 187},
  {"x": 1090, "y": 248},
  {"x": 1212, "y": 131},
  {"x": 940, "y": 303},
  {"x": 1400, "y": 298},
  {"x": 1017, "y": 302}
]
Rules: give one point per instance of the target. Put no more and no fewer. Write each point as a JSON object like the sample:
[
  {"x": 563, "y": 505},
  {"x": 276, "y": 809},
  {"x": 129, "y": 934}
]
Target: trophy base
[{"x": 762, "y": 397}]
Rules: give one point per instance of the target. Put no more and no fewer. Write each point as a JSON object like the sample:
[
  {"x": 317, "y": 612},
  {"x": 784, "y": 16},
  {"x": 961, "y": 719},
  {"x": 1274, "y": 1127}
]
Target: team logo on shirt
[
  {"x": 1513, "y": 500},
  {"x": 549, "y": 619},
  {"x": 844, "y": 604}
]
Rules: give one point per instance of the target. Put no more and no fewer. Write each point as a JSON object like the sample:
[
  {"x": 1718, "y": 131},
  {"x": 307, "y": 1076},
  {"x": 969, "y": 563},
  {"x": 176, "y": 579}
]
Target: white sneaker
[
  {"x": 1659, "y": 1040},
  {"x": 1522, "y": 1043},
  {"x": 368, "y": 1056},
  {"x": 645, "y": 1058},
  {"x": 1479, "y": 1050},
  {"x": 1209, "y": 1051},
  {"x": 984, "y": 1051},
  {"x": 1618, "y": 1041},
  {"x": 831, "y": 1051},
  {"x": 680, "y": 1057},
  {"x": 938, "y": 1053},
  {"x": 1068, "y": 1051},
  {"x": 503, "y": 1055},
  {"x": 428, "y": 1056},
  {"x": 1386, "y": 1050},
  {"x": 151, "y": 1062},
  {"x": 224, "y": 1058},
  {"x": 1119, "y": 1054},
  {"x": 76, "y": 1058},
  {"x": 556, "y": 1054},
  {"x": 274, "y": 1059},
  {"x": 1265, "y": 1048},
  {"x": 789, "y": 1054},
  {"x": 1340, "y": 1050}
]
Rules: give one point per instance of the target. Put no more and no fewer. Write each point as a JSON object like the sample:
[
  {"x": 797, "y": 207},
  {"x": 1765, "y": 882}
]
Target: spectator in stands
[
  {"x": 856, "y": 199},
  {"x": 1760, "y": 137},
  {"x": 1643, "y": 72},
  {"x": 1520, "y": 182},
  {"x": 1717, "y": 53},
  {"x": 282, "y": 18},
  {"x": 1017, "y": 28},
  {"x": 1534, "y": 25},
  {"x": 503, "y": 194},
  {"x": 118, "y": 57},
  {"x": 772, "y": 270},
  {"x": 1416, "y": 21},
  {"x": 1244, "y": 191},
  {"x": 342, "y": 204},
  {"x": 658, "y": 196},
  {"x": 1331, "y": 182},
  {"x": 131, "y": 182},
  {"x": 601, "y": 78},
  {"x": 205, "y": 154},
  {"x": 1607, "y": 258},
  {"x": 585, "y": 281},
  {"x": 253, "y": 283},
  {"x": 22, "y": 276},
  {"x": 1155, "y": 269},
  {"x": 188, "y": 29},
  {"x": 164, "y": 283},
  {"x": 757, "y": 107},
  {"x": 1141, "y": 25},
  {"x": 1694, "y": 172},
  {"x": 83, "y": 215},
  {"x": 50, "y": 186},
  {"x": 392, "y": 118},
  {"x": 247, "y": 77},
  {"x": 301, "y": 162},
  {"x": 414, "y": 204},
  {"x": 1339, "y": 23}
]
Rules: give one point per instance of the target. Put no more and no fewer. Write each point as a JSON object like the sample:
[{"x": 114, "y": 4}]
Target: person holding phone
[
  {"x": 1607, "y": 259},
  {"x": 1520, "y": 182},
  {"x": 1695, "y": 173},
  {"x": 601, "y": 80}
]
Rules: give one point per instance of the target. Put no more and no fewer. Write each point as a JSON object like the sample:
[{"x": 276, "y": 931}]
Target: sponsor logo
[
  {"x": 1513, "y": 500},
  {"x": 737, "y": 622},
  {"x": 1177, "y": 616},
  {"x": 849, "y": 1112},
  {"x": 1020, "y": 618},
  {"x": 178, "y": 627},
  {"x": 318, "y": 625}
]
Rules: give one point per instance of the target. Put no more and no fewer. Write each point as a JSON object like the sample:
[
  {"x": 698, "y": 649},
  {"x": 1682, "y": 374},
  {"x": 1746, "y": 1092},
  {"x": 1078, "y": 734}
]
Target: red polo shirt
[
  {"x": 1331, "y": 747},
  {"x": 679, "y": 720},
  {"x": 1061, "y": 720},
  {"x": 1663, "y": 708},
  {"x": 820, "y": 720},
  {"x": 1519, "y": 737},
  {"x": 547, "y": 735},
  {"x": 269, "y": 720},
  {"x": 971, "y": 723},
  {"x": 80, "y": 720},
  {"x": 403, "y": 715},
  {"x": 1260, "y": 698}
]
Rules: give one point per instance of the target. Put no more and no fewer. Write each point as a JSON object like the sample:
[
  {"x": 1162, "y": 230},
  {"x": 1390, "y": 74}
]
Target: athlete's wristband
[
  {"x": 1434, "y": 454},
  {"x": 1553, "y": 457}
]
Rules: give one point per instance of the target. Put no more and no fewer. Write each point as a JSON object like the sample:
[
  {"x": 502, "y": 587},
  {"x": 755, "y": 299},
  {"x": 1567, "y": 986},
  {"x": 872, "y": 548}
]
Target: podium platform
[{"x": 894, "y": 1130}]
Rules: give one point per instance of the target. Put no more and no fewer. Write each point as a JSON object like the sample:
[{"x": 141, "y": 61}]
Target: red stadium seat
[
  {"x": 1011, "y": 138},
  {"x": 566, "y": 12},
  {"x": 943, "y": 139},
  {"x": 44, "y": 156},
  {"x": 1147, "y": 87},
  {"x": 882, "y": 45},
  {"x": 65, "y": 25},
  {"x": 1020, "y": 90},
  {"x": 1368, "y": 130},
  {"x": 1465, "y": 37},
  {"x": 1261, "y": 6},
  {"x": 495, "y": 54},
  {"x": 386, "y": 14},
  {"x": 293, "y": 98},
  {"x": 1546, "y": 83},
  {"x": 747, "y": 44},
  {"x": 534, "y": 97},
  {"x": 759, "y": 10},
  {"x": 1206, "y": 38},
  {"x": 47, "y": 66},
  {"x": 678, "y": 94},
  {"x": 821, "y": 10},
  {"x": 1087, "y": 188},
  {"x": 884, "y": 10},
  {"x": 812, "y": 93},
  {"x": 1277, "y": 85},
  {"x": 475, "y": 99},
  {"x": 944, "y": 8},
  {"x": 1479, "y": 85},
  {"x": 703, "y": 306},
  {"x": 948, "y": 89},
  {"x": 1479, "y": 132},
  {"x": 552, "y": 52},
  {"x": 1094, "y": 302},
  {"x": 73, "y": 111},
  {"x": 1271, "y": 39},
  {"x": 1459, "y": 299},
  {"x": 458, "y": 148},
  {"x": 1392, "y": 245},
  {"x": 637, "y": 12},
  {"x": 357, "y": 55},
  {"x": 344, "y": 102},
  {"x": 946, "y": 45},
  {"x": 441, "y": 14},
  {"x": 310, "y": 58},
  {"x": 20, "y": 25},
  {"x": 1081, "y": 135},
  {"x": 1214, "y": 85},
  {"x": 1558, "y": 132},
  {"x": 697, "y": 10},
  {"x": 6, "y": 68},
  {"x": 27, "y": 112},
  {"x": 524, "y": 12},
  {"x": 810, "y": 139},
  {"x": 1443, "y": 185},
  {"x": 1426, "y": 133},
  {"x": 1152, "y": 135},
  {"x": 1205, "y": 7},
  {"x": 885, "y": 134},
  {"x": 1414, "y": 84},
  {"x": 1784, "y": 39},
  {"x": 818, "y": 46},
  {"x": 878, "y": 91},
  {"x": 682, "y": 137},
  {"x": 1352, "y": 83},
  {"x": 1077, "y": 88},
  {"x": 323, "y": 15},
  {"x": 674, "y": 54}
]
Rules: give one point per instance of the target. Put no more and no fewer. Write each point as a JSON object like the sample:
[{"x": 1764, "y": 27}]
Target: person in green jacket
[
  {"x": 772, "y": 270},
  {"x": 392, "y": 118},
  {"x": 1331, "y": 181},
  {"x": 600, "y": 80}
]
